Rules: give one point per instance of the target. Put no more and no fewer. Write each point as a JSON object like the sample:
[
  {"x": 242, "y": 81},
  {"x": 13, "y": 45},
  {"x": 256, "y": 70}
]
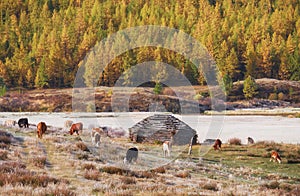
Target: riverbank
[
  {"x": 272, "y": 95},
  {"x": 287, "y": 112}
]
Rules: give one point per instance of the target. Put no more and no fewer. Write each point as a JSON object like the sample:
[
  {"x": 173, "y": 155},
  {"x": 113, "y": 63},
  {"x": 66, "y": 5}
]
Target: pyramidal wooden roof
[{"x": 160, "y": 128}]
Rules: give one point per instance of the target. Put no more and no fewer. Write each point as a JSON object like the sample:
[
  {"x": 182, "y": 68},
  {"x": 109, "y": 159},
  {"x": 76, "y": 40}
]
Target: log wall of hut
[{"x": 160, "y": 128}]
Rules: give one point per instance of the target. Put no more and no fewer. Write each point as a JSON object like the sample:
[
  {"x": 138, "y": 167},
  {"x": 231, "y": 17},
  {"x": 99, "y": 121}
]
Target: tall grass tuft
[
  {"x": 92, "y": 174},
  {"x": 38, "y": 161},
  {"x": 15, "y": 173}
]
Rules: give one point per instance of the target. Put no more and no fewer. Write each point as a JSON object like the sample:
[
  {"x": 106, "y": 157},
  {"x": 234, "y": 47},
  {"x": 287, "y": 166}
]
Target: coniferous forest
[{"x": 43, "y": 42}]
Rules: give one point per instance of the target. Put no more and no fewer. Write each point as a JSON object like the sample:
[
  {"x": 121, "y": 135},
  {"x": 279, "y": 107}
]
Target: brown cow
[
  {"x": 75, "y": 128},
  {"x": 217, "y": 144},
  {"x": 275, "y": 157},
  {"x": 41, "y": 129}
]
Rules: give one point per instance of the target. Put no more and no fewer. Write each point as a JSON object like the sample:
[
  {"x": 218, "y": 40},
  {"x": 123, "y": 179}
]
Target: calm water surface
[{"x": 273, "y": 128}]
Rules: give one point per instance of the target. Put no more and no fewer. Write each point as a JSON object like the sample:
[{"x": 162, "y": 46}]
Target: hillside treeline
[{"x": 43, "y": 42}]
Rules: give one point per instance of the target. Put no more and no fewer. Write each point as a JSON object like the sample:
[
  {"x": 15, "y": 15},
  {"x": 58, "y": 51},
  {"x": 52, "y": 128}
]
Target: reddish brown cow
[
  {"x": 217, "y": 144},
  {"x": 75, "y": 128},
  {"x": 275, "y": 157},
  {"x": 41, "y": 129}
]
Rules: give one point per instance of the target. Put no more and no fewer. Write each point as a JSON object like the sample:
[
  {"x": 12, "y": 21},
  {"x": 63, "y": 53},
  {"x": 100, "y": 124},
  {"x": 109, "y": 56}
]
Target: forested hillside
[{"x": 43, "y": 42}]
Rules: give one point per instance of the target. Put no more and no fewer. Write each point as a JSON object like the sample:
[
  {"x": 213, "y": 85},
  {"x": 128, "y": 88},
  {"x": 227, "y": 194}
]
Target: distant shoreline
[{"x": 282, "y": 111}]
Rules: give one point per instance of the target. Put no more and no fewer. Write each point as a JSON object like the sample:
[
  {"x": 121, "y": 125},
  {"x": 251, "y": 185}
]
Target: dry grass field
[{"x": 60, "y": 164}]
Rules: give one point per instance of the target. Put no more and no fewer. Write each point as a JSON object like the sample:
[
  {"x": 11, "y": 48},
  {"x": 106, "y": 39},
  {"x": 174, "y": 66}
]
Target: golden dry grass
[{"x": 66, "y": 165}]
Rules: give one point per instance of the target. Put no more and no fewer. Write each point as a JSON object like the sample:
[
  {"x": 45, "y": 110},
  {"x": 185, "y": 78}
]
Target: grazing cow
[
  {"x": 250, "y": 140},
  {"x": 166, "y": 148},
  {"x": 41, "y": 129},
  {"x": 68, "y": 124},
  {"x": 100, "y": 131},
  {"x": 23, "y": 122},
  {"x": 10, "y": 123},
  {"x": 192, "y": 142},
  {"x": 275, "y": 157},
  {"x": 131, "y": 155},
  {"x": 217, "y": 144},
  {"x": 95, "y": 135},
  {"x": 75, "y": 128}
]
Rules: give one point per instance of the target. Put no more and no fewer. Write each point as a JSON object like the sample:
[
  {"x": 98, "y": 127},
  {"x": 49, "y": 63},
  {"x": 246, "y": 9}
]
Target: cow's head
[{"x": 71, "y": 131}]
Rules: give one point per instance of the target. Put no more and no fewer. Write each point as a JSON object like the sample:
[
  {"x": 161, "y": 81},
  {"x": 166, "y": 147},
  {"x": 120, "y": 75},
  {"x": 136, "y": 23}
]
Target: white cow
[
  {"x": 166, "y": 148},
  {"x": 10, "y": 123},
  {"x": 68, "y": 124}
]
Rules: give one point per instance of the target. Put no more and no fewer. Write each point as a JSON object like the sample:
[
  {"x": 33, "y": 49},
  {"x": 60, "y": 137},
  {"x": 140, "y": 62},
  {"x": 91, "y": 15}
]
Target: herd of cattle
[{"x": 132, "y": 153}]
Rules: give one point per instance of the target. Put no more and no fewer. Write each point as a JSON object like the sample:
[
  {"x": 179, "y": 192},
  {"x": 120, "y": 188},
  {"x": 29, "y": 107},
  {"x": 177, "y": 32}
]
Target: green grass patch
[{"x": 256, "y": 157}]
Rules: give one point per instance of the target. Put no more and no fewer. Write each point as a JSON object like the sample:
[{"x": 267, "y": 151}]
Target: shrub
[
  {"x": 3, "y": 154},
  {"x": 235, "y": 141},
  {"x": 157, "y": 142},
  {"x": 272, "y": 185},
  {"x": 286, "y": 186},
  {"x": 281, "y": 96},
  {"x": 92, "y": 174},
  {"x": 89, "y": 166},
  {"x": 15, "y": 173},
  {"x": 143, "y": 174},
  {"x": 82, "y": 156},
  {"x": 11, "y": 166},
  {"x": 160, "y": 170},
  {"x": 198, "y": 97},
  {"x": 168, "y": 91},
  {"x": 183, "y": 174},
  {"x": 158, "y": 88},
  {"x": 5, "y": 137},
  {"x": 128, "y": 180},
  {"x": 39, "y": 161},
  {"x": 265, "y": 144},
  {"x": 82, "y": 146},
  {"x": 113, "y": 170},
  {"x": 110, "y": 93},
  {"x": 273, "y": 96},
  {"x": 210, "y": 186},
  {"x": 4, "y": 146},
  {"x": 61, "y": 189}
]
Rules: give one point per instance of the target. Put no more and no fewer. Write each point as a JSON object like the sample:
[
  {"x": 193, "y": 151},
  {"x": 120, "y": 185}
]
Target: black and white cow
[{"x": 250, "y": 140}]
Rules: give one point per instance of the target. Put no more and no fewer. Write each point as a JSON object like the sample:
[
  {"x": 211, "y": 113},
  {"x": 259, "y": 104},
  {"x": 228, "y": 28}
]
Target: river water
[{"x": 271, "y": 128}]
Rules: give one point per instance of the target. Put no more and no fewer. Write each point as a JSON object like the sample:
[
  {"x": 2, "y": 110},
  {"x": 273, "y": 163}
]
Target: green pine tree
[
  {"x": 41, "y": 79},
  {"x": 250, "y": 88}
]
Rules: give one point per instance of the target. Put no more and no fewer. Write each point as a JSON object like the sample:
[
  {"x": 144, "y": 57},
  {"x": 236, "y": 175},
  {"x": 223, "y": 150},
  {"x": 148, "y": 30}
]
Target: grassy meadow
[{"x": 60, "y": 164}]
